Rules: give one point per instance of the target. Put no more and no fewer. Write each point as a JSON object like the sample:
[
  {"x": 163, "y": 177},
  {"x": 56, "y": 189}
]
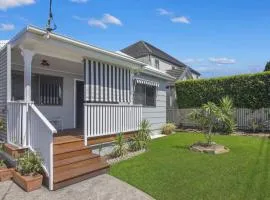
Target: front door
[{"x": 79, "y": 104}]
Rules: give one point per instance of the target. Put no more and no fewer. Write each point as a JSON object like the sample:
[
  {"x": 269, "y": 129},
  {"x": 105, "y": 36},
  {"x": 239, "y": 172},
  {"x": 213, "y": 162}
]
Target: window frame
[
  {"x": 144, "y": 104},
  {"x": 36, "y": 96}
]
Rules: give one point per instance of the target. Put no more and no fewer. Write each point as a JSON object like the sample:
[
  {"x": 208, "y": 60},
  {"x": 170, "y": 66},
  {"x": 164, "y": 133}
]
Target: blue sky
[{"x": 216, "y": 38}]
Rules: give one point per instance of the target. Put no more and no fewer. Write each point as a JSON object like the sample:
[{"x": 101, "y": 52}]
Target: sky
[{"x": 216, "y": 38}]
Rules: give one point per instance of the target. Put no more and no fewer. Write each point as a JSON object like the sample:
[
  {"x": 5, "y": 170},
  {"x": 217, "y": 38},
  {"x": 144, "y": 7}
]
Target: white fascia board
[{"x": 83, "y": 45}]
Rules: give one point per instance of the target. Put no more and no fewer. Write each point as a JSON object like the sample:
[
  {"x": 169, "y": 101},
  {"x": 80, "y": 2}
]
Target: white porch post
[
  {"x": 27, "y": 57},
  {"x": 86, "y": 97},
  {"x": 131, "y": 87}
]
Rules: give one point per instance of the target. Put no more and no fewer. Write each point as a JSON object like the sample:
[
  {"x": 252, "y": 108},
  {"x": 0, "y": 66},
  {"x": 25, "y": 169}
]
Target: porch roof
[{"x": 60, "y": 46}]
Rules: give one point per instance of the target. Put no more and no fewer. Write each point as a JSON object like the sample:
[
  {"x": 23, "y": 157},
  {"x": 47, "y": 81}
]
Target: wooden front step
[{"x": 73, "y": 162}]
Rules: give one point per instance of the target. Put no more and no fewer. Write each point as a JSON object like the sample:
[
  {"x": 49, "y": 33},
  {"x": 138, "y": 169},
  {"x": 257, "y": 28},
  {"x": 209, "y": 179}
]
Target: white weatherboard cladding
[
  {"x": 3, "y": 88},
  {"x": 156, "y": 115}
]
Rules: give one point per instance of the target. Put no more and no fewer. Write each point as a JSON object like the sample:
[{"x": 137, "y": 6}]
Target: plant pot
[
  {"x": 28, "y": 183},
  {"x": 6, "y": 174}
]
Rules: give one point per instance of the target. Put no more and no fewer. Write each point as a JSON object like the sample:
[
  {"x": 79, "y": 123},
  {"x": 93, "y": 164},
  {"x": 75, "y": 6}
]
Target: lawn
[{"x": 170, "y": 171}]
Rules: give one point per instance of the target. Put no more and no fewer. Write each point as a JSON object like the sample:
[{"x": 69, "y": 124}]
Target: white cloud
[
  {"x": 97, "y": 23},
  {"x": 79, "y": 18},
  {"x": 7, "y": 27},
  {"x": 104, "y": 21},
  {"x": 162, "y": 11},
  {"x": 79, "y": 1},
  {"x": 222, "y": 61},
  {"x": 109, "y": 19},
  {"x": 5, "y": 4},
  {"x": 183, "y": 20},
  {"x": 193, "y": 60}
]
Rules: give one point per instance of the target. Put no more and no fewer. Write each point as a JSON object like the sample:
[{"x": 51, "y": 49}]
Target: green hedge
[{"x": 247, "y": 91}]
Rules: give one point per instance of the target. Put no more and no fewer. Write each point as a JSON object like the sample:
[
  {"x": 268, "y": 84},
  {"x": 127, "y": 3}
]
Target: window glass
[
  {"x": 46, "y": 90},
  {"x": 157, "y": 63},
  {"x": 145, "y": 95}
]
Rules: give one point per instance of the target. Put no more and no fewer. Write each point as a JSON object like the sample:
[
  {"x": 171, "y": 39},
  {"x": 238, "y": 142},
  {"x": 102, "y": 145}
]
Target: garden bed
[{"x": 129, "y": 155}]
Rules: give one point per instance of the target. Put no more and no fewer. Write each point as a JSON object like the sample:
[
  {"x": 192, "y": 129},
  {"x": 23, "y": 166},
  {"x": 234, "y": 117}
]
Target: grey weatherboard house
[{"x": 51, "y": 83}]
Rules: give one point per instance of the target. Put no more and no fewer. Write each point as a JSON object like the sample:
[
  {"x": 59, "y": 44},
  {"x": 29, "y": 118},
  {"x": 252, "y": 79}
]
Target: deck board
[{"x": 74, "y": 135}]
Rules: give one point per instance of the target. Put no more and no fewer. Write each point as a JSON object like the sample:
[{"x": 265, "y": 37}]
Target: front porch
[{"x": 64, "y": 99}]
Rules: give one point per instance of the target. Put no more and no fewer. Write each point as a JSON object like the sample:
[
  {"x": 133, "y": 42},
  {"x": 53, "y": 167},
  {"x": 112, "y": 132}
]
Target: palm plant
[
  {"x": 211, "y": 116},
  {"x": 141, "y": 139},
  {"x": 121, "y": 147},
  {"x": 227, "y": 109}
]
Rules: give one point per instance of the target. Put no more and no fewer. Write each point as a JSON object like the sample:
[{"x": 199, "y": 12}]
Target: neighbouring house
[
  {"x": 58, "y": 95},
  {"x": 153, "y": 56}
]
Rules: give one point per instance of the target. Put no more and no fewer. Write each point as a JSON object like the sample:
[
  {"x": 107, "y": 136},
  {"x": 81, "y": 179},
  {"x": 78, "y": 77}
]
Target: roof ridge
[{"x": 146, "y": 46}]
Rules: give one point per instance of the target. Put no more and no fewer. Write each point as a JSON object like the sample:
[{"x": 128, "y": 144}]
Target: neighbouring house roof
[
  {"x": 152, "y": 70},
  {"x": 3, "y": 43},
  {"x": 142, "y": 48}
]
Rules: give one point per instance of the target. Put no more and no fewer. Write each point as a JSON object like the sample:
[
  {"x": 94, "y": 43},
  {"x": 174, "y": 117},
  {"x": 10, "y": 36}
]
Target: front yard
[{"x": 170, "y": 171}]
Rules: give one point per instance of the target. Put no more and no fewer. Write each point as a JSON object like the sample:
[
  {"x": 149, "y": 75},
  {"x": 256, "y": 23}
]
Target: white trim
[
  {"x": 75, "y": 99},
  {"x": 86, "y": 82},
  {"x": 8, "y": 72}
]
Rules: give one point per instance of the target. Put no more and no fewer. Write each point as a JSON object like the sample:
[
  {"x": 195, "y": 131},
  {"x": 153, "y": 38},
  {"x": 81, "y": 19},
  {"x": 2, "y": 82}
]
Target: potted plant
[
  {"x": 5, "y": 173},
  {"x": 28, "y": 171}
]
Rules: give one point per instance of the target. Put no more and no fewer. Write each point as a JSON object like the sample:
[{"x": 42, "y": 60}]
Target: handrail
[
  {"x": 44, "y": 119},
  {"x": 111, "y": 104}
]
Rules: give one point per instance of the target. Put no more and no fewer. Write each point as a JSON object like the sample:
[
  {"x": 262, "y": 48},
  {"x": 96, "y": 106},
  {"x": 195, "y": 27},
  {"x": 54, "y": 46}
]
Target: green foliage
[
  {"x": 141, "y": 139},
  {"x": 168, "y": 129},
  {"x": 267, "y": 66},
  {"x": 120, "y": 148},
  {"x": 29, "y": 164},
  {"x": 1, "y": 125},
  {"x": 228, "y": 124},
  {"x": 212, "y": 116},
  {"x": 247, "y": 91},
  {"x": 2, "y": 164}
]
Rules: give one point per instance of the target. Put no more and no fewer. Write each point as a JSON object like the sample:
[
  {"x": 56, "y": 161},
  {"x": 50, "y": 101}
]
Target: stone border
[{"x": 112, "y": 161}]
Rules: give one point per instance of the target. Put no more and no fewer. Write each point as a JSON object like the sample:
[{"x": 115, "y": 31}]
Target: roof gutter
[{"x": 83, "y": 45}]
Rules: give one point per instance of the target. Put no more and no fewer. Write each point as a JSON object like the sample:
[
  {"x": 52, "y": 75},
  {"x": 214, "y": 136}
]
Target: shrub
[
  {"x": 246, "y": 91},
  {"x": 212, "y": 116},
  {"x": 168, "y": 129},
  {"x": 29, "y": 164},
  {"x": 141, "y": 139},
  {"x": 120, "y": 148},
  {"x": 2, "y": 164}
]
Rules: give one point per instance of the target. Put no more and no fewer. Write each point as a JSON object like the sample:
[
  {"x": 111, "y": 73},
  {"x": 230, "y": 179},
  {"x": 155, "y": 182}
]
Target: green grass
[{"x": 170, "y": 171}]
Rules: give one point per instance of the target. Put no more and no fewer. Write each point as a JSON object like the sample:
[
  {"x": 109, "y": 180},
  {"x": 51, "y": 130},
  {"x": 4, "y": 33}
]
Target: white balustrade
[{"x": 108, "y": 119}]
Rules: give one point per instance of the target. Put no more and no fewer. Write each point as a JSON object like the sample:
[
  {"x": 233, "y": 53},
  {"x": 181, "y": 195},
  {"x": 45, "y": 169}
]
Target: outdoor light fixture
[{"x": 44, "y": 63}]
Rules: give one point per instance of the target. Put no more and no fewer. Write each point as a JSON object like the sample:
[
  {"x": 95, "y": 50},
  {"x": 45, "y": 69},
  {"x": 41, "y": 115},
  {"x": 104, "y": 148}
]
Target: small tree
[
  {"x": 211, "y": 115},
  {"x": 267, "y": 66}
]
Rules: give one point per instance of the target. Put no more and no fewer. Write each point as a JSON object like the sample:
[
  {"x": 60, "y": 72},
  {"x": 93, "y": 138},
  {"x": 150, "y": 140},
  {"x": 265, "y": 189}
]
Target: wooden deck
[{"x": 71, "y": 135}]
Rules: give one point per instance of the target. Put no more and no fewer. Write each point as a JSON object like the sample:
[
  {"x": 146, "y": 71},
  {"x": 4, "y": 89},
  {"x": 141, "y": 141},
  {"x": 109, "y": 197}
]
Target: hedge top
[{"x": 247, "y": 91}]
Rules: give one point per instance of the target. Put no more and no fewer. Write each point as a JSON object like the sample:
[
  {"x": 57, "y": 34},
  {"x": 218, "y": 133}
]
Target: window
[
  {"x": 46, "y": 90},
  {"x": 157, "y": 63},
  {"x": 145, "y": 95}
]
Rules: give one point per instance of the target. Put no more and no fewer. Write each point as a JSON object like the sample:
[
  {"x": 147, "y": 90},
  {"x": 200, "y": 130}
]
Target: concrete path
[{"x": 103, "y": 187}]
